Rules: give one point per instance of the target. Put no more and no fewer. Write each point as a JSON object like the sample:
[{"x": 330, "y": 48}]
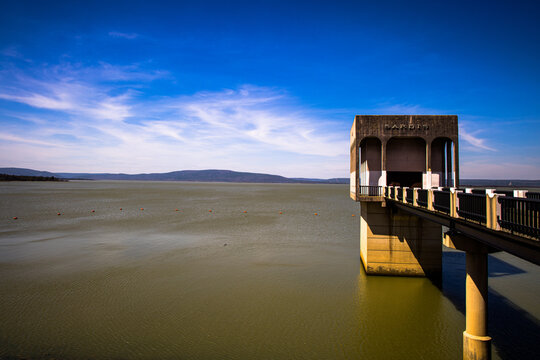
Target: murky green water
[{"x": 194, "y": 284}]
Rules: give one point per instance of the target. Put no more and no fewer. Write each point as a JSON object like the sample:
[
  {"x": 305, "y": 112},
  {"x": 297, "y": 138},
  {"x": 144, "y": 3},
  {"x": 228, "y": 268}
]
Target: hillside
[{"x": 184, "y": 175}]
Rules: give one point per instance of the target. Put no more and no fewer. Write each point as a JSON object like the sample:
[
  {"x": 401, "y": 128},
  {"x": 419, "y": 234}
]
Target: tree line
[{"x": 6, "y": 177}]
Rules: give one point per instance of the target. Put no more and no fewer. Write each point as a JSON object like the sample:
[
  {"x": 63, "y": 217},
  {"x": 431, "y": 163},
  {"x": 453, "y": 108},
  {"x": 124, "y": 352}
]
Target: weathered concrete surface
[
  {"x": 389, "y": 149},
  {"x": 395, "y": 243}
]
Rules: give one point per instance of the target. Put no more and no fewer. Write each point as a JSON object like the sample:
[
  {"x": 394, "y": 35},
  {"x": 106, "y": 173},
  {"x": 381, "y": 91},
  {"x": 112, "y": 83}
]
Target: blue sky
[{"x": 262, "y": 86}]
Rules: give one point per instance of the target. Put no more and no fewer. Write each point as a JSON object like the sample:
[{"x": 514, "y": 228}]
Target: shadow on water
[{"x": 513, "y": 330}]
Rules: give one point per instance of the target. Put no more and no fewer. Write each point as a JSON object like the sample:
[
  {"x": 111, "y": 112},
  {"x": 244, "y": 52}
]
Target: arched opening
[
  {"x": 405, "y": 161},
  {"x": 442, "y": 171},
  {"x": 370, "y": 161}
]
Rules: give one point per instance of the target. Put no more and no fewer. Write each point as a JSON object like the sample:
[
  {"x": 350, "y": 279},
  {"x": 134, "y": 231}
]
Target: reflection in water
[{"x": 160, "y": 283}]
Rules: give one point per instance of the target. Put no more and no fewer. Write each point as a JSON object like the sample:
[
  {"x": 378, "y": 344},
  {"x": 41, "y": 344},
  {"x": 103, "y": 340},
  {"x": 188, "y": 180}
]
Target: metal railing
[
  {"x": 520, "y": 215},
  {"x": 472, "y": 207},
  {"x": 478, "y": 191},
  {"x": 366, "y": 190},
  {"x": 422, "y": 197},
  {"x": 441, "y": 201},
  {"x": 409, "y": 196}
]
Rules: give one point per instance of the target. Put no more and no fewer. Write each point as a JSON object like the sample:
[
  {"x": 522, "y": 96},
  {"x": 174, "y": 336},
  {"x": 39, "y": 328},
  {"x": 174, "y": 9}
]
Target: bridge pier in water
[{"x": 476, "y": 342}]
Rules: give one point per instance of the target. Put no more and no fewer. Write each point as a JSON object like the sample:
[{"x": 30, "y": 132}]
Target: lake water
[{"x": 227, "y": 284}]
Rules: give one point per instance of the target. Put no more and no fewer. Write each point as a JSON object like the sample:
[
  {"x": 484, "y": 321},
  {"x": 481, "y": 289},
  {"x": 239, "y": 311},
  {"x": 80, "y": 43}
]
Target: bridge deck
[{"x": 507, "y": 223}]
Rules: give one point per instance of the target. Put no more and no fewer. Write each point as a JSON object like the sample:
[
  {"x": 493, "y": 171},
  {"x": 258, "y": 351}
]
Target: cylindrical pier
[{"x": 476, "y": 343}]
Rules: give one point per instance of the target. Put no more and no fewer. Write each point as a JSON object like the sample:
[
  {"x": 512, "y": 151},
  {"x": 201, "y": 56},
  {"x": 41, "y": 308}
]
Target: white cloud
[
  {"x": 476, "y": 143},
  {"x": 250, "y": 128}
]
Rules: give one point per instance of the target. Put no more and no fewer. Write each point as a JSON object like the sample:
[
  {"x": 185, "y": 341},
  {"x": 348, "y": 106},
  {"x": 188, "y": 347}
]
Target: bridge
[{"x": 405, "y": 175}]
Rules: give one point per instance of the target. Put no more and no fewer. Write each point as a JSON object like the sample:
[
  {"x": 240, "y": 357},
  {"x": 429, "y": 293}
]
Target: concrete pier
[
  {"x": 476, "y": 343},
  {"x": 393, "y": 242}
]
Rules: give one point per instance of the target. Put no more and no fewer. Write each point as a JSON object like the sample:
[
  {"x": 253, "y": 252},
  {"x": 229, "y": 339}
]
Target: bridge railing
[
  {"x": 422, "y": 197},
  {"x": 399, "y": 192},
  {"x": 472, "y": 207},
  {"x": 493, "y": 209},
  {"x": 520, "y": 215},
  {"x": 409, "y": 195},
  {"x": 366, "y": 190},
  {"x": 441, "y": 201}
]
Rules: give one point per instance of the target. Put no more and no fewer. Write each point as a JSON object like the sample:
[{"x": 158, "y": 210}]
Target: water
[{"x": 194, "y": 284}]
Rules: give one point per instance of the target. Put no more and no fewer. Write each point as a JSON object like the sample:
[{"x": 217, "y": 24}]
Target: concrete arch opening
[
  {"x": 370, "y": 156},
  {"x": 405, "y": 161},
  {"x": 443, "y": 172}
]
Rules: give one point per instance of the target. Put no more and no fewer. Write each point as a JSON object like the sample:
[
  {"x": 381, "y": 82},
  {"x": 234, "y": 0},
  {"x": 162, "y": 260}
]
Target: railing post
[
  {"x": 430, "y": 199},
  {"x": 404, "y": 194},
  {"x": 415, "y": 197},
  {"x": 493, "y": 209},
  {"x": 453, "y": 203}
]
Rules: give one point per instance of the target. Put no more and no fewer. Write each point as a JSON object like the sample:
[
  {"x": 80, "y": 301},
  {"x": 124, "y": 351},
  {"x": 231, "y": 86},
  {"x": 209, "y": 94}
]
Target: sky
[{"x": 262, "y": 86}]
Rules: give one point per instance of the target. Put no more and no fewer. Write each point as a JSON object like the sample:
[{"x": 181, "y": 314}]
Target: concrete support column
[
  {"x": 476, "y": 343},
  {"x": 448, "y": 164},
  {"x": 455, "y": 153},
  {"x": 426, "y": 176},
  {"x": 428, "y": 156},
  {"x": 383, "y": 155},
  {"x": 382, "y": 180}
]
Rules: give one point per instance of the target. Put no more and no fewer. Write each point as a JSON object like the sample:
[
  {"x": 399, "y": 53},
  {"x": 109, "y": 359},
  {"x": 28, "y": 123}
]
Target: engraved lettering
[{"x": 409, "y": 127}]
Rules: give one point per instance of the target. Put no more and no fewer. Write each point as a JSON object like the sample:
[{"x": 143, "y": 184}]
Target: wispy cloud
[
  {"x": 11, "y": 51},
  {"x": 117, "y": 128},
  {"x": 474, "y": 140},
  {"x": 124, "y": 35}
]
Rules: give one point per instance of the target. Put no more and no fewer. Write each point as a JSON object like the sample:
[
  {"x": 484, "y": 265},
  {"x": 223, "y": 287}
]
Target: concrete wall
[
  {"x": 395, "y": 243},
  {"x": 406, "y": 154},
  {"x": 371, "y": 162}
]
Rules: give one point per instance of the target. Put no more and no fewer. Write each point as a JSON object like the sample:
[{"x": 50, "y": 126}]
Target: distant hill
[
  {"x": 236, "y": 176},
  {"x": 25, "y": 172},
  {"x": 184, "y": 175},
  {"x": 499, "y": 183}
]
